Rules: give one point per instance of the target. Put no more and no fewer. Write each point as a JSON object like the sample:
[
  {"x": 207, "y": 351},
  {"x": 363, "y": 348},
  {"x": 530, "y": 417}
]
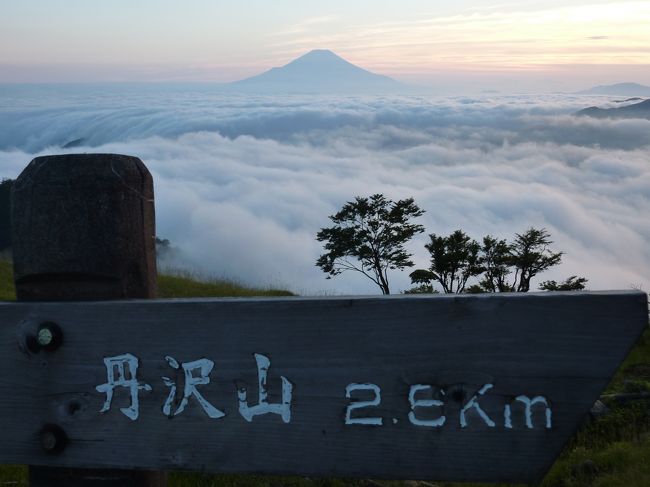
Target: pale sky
[{"x": 551, "y": 44}]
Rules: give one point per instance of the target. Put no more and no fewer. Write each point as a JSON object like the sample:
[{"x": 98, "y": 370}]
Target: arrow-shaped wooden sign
[{"x": 472, "y": 388}]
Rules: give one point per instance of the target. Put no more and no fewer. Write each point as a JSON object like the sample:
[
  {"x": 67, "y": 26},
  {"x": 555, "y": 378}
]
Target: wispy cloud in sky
[
  {"x": 512, "y": 37},
  {"x": 307, "y": 25},
  {"x": 422, "y": 40}
]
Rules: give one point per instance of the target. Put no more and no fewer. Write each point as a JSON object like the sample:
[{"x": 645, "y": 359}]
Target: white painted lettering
[
  {"x": 528, "y": 412},
  {"x": 424, "y": 403},
  {"x": 473, "y": 404},
  {"x": 122, "y": 371},
  {"x": 263, "y": 407},
  {"x": 376, "y": 421},
  {"x": 204, "y": 367}
]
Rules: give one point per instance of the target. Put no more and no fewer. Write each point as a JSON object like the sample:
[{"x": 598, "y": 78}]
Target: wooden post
[{"x": 84, "y": 229}]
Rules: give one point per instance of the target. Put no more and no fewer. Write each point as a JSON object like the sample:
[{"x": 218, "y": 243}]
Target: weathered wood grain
[
  {"x": 564, "y": 347},
  {"x": 84, "y": 229}
]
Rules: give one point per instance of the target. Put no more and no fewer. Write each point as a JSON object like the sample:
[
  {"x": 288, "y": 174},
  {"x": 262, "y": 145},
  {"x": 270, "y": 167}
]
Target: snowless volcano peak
[
  {"x": 319, "y": 71},
  {"x": 321, "y": 57}
]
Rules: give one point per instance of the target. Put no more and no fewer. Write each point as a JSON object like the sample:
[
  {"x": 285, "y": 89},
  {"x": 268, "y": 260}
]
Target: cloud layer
[{"x": 244, "y": 183}]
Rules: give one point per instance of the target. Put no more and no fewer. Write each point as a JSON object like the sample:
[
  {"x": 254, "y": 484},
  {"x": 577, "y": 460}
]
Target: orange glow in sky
[{"x": 416, "y": 40}]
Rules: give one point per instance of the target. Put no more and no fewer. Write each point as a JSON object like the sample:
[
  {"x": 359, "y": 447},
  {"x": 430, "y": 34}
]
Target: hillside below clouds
[
  {"x": 319, "y": 71},
  {"x": 635, "y": 110}
]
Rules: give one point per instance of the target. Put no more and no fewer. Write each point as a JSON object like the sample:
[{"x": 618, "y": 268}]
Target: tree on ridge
[{"x": 369, "y": 236}]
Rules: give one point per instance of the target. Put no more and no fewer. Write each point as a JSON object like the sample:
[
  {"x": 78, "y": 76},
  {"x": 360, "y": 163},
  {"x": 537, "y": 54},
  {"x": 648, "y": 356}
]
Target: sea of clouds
[{"x": 243, "y": 182}]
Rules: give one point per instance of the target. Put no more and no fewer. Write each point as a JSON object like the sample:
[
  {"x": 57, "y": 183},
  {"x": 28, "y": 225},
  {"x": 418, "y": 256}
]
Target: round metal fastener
[
  {"x": 49, "y": 336},
  {"x": 52, "y": 438},
  {"x": 44, "y": 337}
]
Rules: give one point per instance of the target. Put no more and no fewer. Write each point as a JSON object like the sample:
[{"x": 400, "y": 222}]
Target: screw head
[
  {"x": 49, "y": 336},
  {"x": 48, "y": 440},
  {"x": 44, "y": 337},
  {"x": 52, "y": 438}
]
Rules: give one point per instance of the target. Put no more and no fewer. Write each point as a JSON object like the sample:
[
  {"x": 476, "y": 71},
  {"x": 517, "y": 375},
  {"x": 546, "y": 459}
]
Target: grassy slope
[
  {"x": 186, "y": 287},
  {"x": 6, "y": 282},
  {"x": 168, "y": 287},
  {"x": 613, "y": 451}
]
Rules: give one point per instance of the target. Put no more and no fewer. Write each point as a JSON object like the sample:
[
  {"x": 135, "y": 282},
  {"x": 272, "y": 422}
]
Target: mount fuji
[{"x": 319, "y": 71}]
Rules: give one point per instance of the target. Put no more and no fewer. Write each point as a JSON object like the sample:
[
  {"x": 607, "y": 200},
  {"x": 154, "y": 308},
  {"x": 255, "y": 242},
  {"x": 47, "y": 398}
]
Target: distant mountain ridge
[
  {"x": 620, "y": 89},
  {"x": 319, "y": 71},
  {"x": 636, "y": 110}
]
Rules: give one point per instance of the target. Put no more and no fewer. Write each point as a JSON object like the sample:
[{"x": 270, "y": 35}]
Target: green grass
[
  {"x": 169, "y": 286},
  {"x": 7, "y": 292},
  {"x": 613, "y": 451},
  {"x": 634, "y": 374},
  {"x": 614, "y": 464},
  {"x": 204, "y": 480},
  {"x": 185, "y": 286}
]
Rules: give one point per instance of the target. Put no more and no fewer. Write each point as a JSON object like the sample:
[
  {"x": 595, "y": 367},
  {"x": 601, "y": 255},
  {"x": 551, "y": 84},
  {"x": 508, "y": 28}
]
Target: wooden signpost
[
  {"x": 462, "y": 388},
  {"x": 83, "y": 229}
]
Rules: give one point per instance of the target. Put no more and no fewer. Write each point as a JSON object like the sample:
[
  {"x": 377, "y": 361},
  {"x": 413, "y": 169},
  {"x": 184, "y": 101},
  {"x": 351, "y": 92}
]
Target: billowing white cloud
[{"x": 244, "y": 183}]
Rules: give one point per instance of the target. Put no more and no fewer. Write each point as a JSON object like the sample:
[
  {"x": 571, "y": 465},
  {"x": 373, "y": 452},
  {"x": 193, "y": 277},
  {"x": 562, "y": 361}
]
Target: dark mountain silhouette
[
  {"x": 636, "y": 98},
  {"x": 74, "y": 143},
  {"x": 319, "y": 71},
  {"x": 620, "y": 89},
  {"x": 636, "y": 110}
]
